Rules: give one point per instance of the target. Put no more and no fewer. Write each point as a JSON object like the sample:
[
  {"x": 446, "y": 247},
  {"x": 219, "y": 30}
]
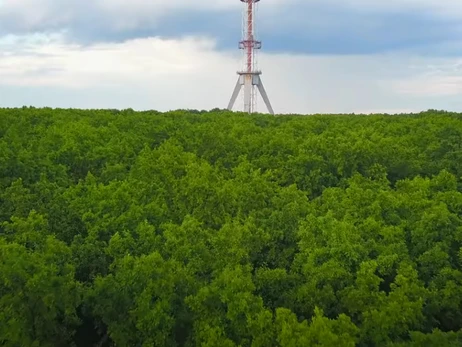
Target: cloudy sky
[{"x": 329, "y": 56}]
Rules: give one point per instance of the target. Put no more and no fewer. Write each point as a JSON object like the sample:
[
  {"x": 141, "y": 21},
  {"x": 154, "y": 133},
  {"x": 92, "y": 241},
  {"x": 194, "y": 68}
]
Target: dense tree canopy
[{"x": 123, "y": 228}]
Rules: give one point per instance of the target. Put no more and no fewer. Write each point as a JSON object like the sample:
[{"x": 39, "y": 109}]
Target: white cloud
[
  {"x": 27, "y": 14},
  {"x": 437, "y": 86},
  {"x": 139, "y": 60},
  {"x": 162, "y": 74},
  {"x": 166, "y": 73},
  {"x": 442, "y": 78}
]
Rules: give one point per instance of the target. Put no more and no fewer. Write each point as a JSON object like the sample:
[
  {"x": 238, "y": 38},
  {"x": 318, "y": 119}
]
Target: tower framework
[{"x": 249, "y": 78}]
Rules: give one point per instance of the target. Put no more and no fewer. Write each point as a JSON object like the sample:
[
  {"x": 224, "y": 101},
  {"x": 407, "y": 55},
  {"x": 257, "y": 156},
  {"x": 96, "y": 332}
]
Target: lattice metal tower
[{"x": 249, "y": 77}]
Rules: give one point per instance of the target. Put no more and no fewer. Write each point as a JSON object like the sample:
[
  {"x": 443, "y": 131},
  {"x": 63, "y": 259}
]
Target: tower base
[{"x": 249, "y": 79}]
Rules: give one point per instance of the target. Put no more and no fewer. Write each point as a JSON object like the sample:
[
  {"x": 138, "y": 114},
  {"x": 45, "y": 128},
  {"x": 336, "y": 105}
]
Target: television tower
[{"x": 249, "y": 77}]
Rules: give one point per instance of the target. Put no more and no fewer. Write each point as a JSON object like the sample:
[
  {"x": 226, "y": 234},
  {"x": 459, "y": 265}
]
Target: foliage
[{"x": 194, "y": 228}]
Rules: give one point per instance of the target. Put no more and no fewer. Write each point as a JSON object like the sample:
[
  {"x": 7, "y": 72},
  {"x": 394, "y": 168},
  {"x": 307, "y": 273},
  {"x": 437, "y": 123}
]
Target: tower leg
[
  {"x": 263, "y": 94},
  {"x": 248, "y": 93},
  {"x": 237, "y": 88}
]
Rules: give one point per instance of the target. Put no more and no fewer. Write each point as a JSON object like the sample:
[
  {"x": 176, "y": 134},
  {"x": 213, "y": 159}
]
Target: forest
[{"x": 216, "y": 228}]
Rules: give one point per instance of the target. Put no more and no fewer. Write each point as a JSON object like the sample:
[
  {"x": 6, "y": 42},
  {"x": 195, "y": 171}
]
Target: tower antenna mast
[{"x": 249, "y": 77}]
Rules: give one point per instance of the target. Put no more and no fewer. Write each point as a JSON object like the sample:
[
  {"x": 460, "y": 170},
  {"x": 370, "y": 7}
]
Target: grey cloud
[{"x": 308, "y": 26}]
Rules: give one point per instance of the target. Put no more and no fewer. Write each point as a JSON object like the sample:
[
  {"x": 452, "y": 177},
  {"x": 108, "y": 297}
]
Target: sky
[{"x": 318, "y": 56}]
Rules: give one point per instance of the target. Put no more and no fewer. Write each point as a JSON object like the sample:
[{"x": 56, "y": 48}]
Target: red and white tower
[{"x": 249, "y": 77}]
